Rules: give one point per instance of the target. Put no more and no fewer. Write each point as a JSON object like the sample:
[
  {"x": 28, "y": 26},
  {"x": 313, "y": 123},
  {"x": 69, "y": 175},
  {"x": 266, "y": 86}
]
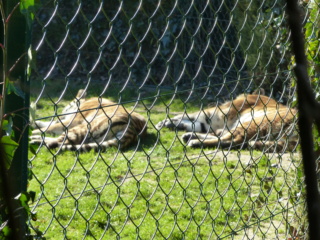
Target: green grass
[{"x": 164, "y": 190}]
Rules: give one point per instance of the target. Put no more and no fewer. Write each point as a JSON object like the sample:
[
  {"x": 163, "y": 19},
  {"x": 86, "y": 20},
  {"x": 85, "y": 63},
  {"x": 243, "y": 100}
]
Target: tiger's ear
[
  {"x": 81, "y": 93},
  {"x": 259, "y": 91}
]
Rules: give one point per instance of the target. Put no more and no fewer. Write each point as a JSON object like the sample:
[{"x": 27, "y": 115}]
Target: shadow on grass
[{"x": 147, "y": 142}]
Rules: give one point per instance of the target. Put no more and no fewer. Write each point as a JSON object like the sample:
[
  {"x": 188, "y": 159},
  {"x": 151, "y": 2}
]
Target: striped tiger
[
  {"x": 254, "y": 121},
  {"x": 98, "y": 124}
]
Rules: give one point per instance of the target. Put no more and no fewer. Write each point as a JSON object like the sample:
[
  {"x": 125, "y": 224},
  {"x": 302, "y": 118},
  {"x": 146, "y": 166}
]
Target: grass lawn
[{"x": 163, "y": 190}]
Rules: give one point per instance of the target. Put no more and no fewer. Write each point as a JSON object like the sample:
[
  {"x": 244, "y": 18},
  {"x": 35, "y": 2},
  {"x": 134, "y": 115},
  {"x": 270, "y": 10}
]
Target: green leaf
[
  {"x": 28, "y": 7},
  {"x": 7, "y": 127},
  {"x": 25, "y": 7},
  {"x": 5, "y": 230},
  {"x": 10, "y": 147},
  {"x": 24, "y": 199},
  {"x": 12, "y": 88}
]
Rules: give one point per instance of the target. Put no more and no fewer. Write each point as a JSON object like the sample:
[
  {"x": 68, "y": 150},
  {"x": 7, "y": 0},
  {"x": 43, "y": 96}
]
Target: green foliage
[
  {"x": 312, "y": 36},
  {"x": 264, "y": 41},
  {"x": 10, "y": 208}
]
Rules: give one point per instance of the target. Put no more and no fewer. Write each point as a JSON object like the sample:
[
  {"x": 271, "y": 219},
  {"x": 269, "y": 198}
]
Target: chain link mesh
[{"x": 161, "y": 59}]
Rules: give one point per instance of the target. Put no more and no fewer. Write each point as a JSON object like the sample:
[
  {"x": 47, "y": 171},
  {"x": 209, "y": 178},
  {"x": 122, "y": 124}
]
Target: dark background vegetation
[{"x": 212, "y": 51}]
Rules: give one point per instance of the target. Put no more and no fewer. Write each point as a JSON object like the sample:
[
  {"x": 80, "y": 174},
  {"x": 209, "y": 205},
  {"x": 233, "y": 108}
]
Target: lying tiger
[
  {"x": 71, "y": 108},
  {"x": 97, "y": 123},
  {"x": 254, "y": 121}
]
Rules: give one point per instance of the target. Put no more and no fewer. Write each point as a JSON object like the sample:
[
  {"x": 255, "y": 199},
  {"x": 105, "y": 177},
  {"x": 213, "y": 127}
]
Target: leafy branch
[{"x": 14, "y": 208}]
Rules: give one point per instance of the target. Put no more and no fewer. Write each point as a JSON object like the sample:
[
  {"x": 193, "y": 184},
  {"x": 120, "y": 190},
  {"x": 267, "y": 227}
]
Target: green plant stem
[{"x": 4, "y": 62}]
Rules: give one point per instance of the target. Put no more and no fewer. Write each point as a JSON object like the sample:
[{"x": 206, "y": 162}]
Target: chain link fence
[{"x": 156, "y": 61}]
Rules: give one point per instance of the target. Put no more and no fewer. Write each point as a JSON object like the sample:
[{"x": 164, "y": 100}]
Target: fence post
[
  {"x": 16, "y": 39},
  {"x": 308, "y": 114}
]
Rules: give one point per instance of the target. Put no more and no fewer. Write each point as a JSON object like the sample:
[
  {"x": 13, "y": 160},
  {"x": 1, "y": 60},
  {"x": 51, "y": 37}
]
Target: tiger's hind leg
[
  {"x": 186, "y": 137},
  {"x": 238, "y": 139},
  {"x": 234, "y": 138},
  {"x": 74, "y": 135},
  {"x": 274, "y": 146},
  {"x": 66, "y": 145},
  {"x": 224, "y": 141},
  {"x": 112, "y": 138},
  {"x": 121, "y": 141},
  {"x": 87, "y": 147}
]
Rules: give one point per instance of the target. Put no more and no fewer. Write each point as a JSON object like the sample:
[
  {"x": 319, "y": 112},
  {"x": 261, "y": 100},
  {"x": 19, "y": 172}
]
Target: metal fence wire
[{"x": 126, "y": 147}]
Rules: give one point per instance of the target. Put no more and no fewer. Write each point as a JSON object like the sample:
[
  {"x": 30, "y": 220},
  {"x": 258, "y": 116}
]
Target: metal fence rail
[{"x": 160, "y": 60}]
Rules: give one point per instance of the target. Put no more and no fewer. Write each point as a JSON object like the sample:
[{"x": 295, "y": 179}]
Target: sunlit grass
[{"x": 164, "y": 190}]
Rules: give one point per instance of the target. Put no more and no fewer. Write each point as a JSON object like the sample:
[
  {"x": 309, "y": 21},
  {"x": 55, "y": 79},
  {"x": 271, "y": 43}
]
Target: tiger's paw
[
  {"x": 188, "y": 137},
  {"x": 194, "y": 143},
  {"x": 161, "y": 124}
]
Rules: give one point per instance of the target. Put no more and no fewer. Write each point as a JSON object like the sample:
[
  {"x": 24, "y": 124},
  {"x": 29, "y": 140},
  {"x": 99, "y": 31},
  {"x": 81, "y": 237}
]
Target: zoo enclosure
[{"x": 175, "y": 56}]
